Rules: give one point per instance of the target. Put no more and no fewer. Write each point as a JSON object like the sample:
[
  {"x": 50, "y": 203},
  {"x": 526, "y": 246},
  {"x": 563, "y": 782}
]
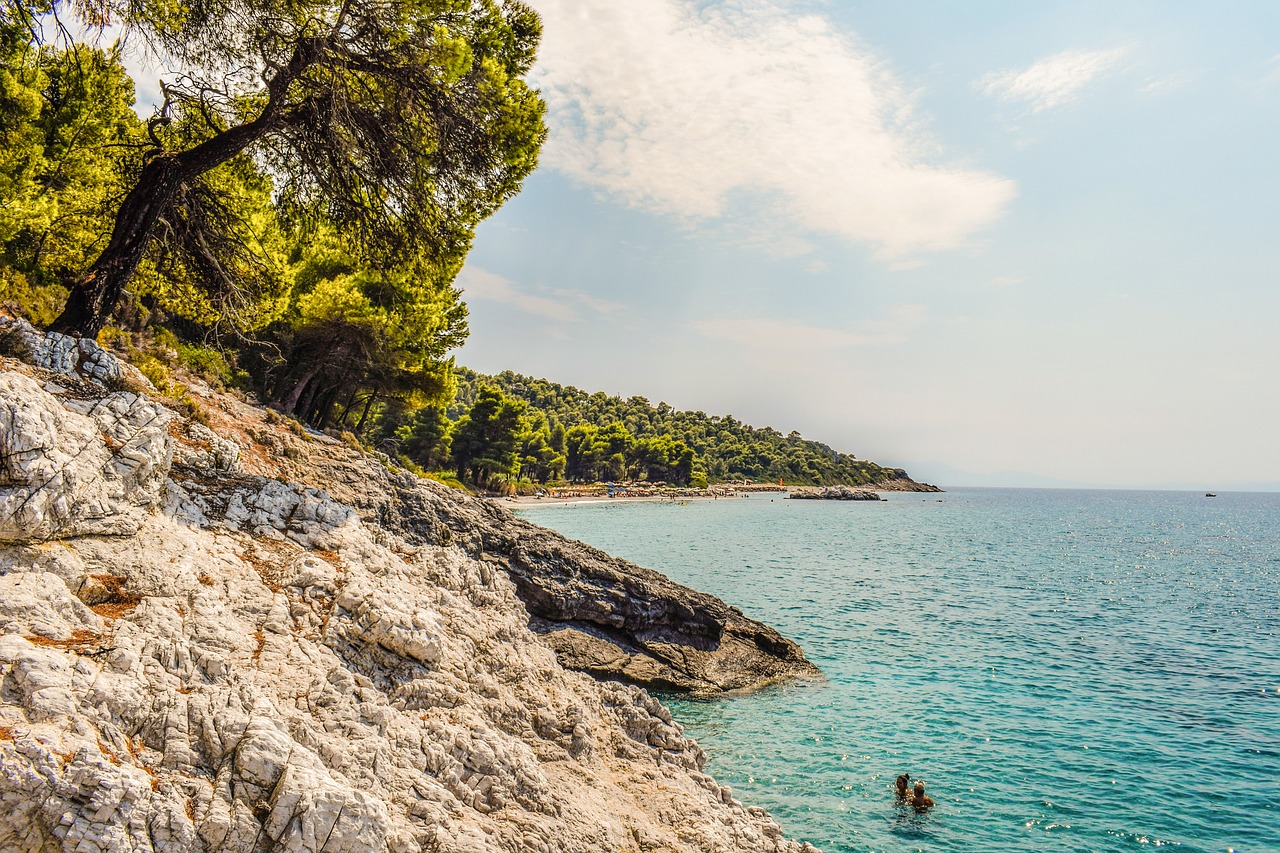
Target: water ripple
[{"x": 1068, "y": 671}]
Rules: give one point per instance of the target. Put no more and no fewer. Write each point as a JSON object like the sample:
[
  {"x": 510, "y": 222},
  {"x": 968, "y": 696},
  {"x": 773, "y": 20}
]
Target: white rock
[
  {"x": 208, "y": 453},
  {"x": 374, "y": 696},
  {"x": 59, "y": 477},
  {"x": 40, "y": 604},
  {"x": 80, "y": 357}
]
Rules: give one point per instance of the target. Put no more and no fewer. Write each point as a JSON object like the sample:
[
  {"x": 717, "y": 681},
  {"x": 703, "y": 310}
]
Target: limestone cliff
[{"x": 198, "y": 652}]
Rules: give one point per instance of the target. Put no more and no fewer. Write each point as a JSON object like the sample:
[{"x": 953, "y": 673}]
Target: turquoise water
[{"x": 1067, "y": 670}]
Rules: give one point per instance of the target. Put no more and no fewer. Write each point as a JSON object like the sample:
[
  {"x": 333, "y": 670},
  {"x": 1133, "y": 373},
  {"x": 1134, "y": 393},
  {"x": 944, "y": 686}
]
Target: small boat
[{"x": 1210, "y": 495}]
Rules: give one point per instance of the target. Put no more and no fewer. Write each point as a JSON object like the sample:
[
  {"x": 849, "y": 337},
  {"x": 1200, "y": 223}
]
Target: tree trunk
[
  {"x": 290, "y": 404},
  {"x": 367, "y": 405},
  {"x": 303, "y": 410},
  {"x": 323, "y": 415},
  {"x": 346, "y": 408},
  {"x": 97, "y": 293}
]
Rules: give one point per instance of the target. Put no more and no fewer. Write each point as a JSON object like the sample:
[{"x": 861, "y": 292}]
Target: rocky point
[{"x": 233, "y": 634}]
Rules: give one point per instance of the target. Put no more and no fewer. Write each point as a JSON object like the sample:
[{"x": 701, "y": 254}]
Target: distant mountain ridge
[{"x": 724, "y": 448}]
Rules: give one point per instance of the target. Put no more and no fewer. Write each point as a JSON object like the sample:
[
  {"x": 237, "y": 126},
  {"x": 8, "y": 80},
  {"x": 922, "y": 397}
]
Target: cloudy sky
[{"x": 997, "y": 242}]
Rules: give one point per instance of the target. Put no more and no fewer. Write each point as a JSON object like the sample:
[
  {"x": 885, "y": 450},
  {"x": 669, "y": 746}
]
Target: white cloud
[
  {"x": 1168, "y": 83},
  {"x": 562, "y": 305},
  {"x": 591, "y": 303},
  {"x": 686, "y": 108},
  {"x": 479, "y": 283},
  {"x": 1052, "y": 81},
  {"x": 897, "y": 324}
]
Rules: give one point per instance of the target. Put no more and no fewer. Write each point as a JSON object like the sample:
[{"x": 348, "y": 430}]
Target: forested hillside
[{"x": 542, "y": 432}]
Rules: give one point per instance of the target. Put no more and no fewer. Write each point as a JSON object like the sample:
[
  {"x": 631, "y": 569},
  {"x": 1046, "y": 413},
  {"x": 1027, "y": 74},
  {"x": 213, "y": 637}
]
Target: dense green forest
[
  {"x": 291, "y": 219},
  {"x": 513, "y": 427}
]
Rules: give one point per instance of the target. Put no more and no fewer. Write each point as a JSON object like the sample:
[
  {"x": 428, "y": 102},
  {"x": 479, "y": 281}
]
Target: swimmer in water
[
  {"x": 902, "y": 791},
  {"x": 918, "y": 800}
]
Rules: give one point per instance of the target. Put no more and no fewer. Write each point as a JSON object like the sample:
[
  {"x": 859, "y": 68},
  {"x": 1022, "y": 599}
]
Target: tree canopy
[
  {"x": 294, "y": 214},
  {"x": 509, "y": 427},
  {"x": 610, "y": 437},
  {"x": 400, "y": 123}
]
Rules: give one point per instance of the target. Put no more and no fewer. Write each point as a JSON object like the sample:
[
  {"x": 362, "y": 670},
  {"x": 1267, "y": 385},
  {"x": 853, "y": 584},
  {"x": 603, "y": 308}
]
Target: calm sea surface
[{"x": 1066, "y": 670}]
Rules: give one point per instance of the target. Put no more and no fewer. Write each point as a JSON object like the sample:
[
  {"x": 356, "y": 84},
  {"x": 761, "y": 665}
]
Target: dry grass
[
  {"x": 107, "y": 753},
  {"x": 114, "y": 610},
  {"x": 80, "y": 641},
  {"x": 178, "y": 432},
  {"x": 113, "y": 602},
  {"x": 261, "y": 639},
  {"x": 6, "y": 733},
  {"x": 206, "y": 580},
  {"x": 270, "y": 559}
]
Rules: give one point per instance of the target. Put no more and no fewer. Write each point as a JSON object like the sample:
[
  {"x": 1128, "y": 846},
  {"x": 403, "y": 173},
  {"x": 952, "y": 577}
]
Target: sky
[{"x": 995, "y": 243}]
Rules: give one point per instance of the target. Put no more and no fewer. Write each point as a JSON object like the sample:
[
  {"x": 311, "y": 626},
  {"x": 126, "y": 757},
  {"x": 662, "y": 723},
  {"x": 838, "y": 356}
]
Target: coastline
[
  {"x": 531, "y": 502},
  {"x": 645, "y": 494},
  {"x": 354, "y": 653}
]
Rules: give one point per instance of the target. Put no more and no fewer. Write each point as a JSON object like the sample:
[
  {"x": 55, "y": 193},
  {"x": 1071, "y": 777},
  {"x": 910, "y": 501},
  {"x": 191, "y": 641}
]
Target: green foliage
[
  {"x": 357, "y": 345},
  {"x": 486, "y": 438},
  {"x": 426, "y": 439},
  {"x": 236, "y": 281},
  {"x": 400, "y": 125},
  {"x": 67, "y": 137},
  {"x": 508, "y": 428},
  {"x": 447, "y": 478},
  {"x": 608, "y": 438},
  {"x": 38, "y": 304},
  {"x": 306, "y": 242}
]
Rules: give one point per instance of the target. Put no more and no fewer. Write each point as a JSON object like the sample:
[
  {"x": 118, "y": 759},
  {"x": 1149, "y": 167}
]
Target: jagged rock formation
[
  {"x": 198, "y": 654},
  {"x": 601, "y": 614},
  {"x": 834, "y": 493}
]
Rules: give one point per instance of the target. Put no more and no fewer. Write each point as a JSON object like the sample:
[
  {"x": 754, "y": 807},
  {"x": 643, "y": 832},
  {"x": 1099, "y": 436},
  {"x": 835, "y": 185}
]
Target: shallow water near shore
[{"x": 1066, "y": 670}]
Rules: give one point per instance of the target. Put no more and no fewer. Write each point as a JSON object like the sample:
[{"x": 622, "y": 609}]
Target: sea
[{"x": 1065, "y": 670}]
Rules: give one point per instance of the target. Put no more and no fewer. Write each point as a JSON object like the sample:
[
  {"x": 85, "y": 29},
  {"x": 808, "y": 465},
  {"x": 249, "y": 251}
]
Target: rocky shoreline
[
  {"x": 834, "y": 493},
  {"x": 229, "y": 633}
]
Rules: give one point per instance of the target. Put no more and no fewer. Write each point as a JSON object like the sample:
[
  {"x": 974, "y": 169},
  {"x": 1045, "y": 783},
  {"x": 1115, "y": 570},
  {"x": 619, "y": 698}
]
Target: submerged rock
[{"x": 206, "y": 655}]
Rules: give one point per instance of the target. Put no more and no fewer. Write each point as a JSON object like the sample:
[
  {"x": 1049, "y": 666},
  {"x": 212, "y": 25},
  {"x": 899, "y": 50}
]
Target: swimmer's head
[
  {"x": 903, "y": 780},
  {"x": 919, "y": 789}
]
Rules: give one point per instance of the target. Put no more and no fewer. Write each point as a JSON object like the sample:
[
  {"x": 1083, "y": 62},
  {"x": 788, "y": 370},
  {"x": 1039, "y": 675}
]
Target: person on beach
[
  {"x": 902, "y": 791},
  {"x": 918, "y": 800}
]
